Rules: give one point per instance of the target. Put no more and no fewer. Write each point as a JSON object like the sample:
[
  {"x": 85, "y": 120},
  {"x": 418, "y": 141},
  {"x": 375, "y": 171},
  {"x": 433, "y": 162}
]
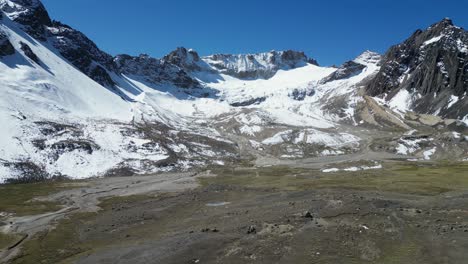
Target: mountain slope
[
  {"x": 428, "y": 73},
  {"x": 69, "y": 109}
]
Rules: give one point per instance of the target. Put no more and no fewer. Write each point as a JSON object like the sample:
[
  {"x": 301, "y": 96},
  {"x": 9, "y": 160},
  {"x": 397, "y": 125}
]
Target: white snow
[
  {"x": 368, "y": 58},
  {"x": 331, "y": 170},
  {"x": 277, "y": 105},
  {"x": 250, "y": 130},
  {"x": 278, "y": 138},
  {"x": 462, "y": 47},
  {"x": 312, "y": 136},
  {"x": 432, "y": 40},
  {"x": 217, "y": 204},
  {"x": 355, "y": 168},
  {"x": 401, "y": 102},
  {"x": 402, "y": 149},
  {"x": 465, "y": 120},
  {"x": 53, "y": 90},
  {"x": 453, "y": 100},
  {"x": 428, "y": 153},
  {"x": 328, "y": 152},
  {"x": 456, "y": 134},
  {"x": 409, "y": 146},
  {"x": 56, "y": 91},
  {"x": 352, "y": 169}
]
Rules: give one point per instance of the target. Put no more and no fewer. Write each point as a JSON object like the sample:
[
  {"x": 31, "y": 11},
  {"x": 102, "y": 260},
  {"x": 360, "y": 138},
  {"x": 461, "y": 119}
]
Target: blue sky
[{"x": 329, "y": 31}]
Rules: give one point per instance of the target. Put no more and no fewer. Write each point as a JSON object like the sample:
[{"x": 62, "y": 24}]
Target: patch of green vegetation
[
  {"x": 108, "y": 202},
  {"x": 6, "y": 240},
  {"x": 18, "y": 198},
  {"x": 408, "y": 250},
  {"x": 69, "y": 239},
  {"x": 405, "y": 177},
  {"x": 57, "y": 245}
]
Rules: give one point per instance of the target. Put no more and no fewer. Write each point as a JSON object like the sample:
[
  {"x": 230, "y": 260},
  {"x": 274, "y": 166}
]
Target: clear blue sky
[{"x": 329, "y": 31}]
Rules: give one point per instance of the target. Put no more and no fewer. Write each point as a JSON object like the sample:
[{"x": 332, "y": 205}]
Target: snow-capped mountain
[
  {"x": 262, "y": 65},
  {"x": 427, "y": 73},
  {"x": 69, "y": 109}
]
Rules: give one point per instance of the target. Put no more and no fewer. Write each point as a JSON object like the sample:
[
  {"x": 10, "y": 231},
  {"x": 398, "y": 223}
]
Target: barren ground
[{"x": 404, "y": 213}]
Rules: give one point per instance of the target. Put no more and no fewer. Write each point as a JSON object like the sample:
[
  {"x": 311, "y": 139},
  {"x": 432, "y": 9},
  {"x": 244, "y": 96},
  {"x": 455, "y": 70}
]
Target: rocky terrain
[{"x": 403, "y": 212}]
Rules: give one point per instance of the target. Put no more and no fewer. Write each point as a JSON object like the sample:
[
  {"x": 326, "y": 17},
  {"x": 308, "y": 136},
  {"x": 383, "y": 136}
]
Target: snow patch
[
  {"x": 250, "y": 130},
  {"x": 432, "y": 40},
  {"x": 428, "y": 153},
  {"x": 353, "y": 169},
  {"x": 312, "y": 136},
  {"x": 462, "y": 47},
  {"x": 409, "y": 146},
  {"x": 401, "y": 102},
  {"x": 453, "y": 100}
]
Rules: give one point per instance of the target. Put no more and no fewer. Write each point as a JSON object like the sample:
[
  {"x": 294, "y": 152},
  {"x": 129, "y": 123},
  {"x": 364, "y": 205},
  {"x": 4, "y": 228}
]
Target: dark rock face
[
  {"x": 154, "y": 70},
  {"x": 348, "y": 69},
  {"x": 5, "y": 46},
  {"x": 185, "y": 59},
  {"x": 82, "y": 53},
  {"x": 29, "y": 171},
  {"x": 253, "y": 101},
  {"x": 295, "y": 58},
  {"x": 30, "y": 13},
  {"x": 71, "y": 145},
  {"x": 29, "y": 53},
  {"x": 301, "y": 94},
  {"x": 432, "y": 63}
]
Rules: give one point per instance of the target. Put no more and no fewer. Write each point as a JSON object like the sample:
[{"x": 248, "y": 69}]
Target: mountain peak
[
  {"x": 368, "y": 57},
  {"x": 182, "y": 53},
  {"x": 446, "y": 21},
  {"x": 17, "y": 8},
  {"x": 29, "y": 13},
  {"x": 186, "y": 59},
  {"x": 442, "y": 25}
]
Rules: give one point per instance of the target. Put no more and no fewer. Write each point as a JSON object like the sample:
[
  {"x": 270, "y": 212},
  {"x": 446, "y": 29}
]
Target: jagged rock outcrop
[
  {"x": 433, "y": 66},
  {"x": 354, "y": 67},
  {"x": 5, "y": 45},
  {"x": 29, "y": 53},
  {"x": 154, "y": 70},
  {"x": 31, "y": 14},
  {"x": 185, "y": 59},
  {"x": 82, "y": 53},
  {"x": 346, "y": 70},
  {"x": 261, "y": 65}
]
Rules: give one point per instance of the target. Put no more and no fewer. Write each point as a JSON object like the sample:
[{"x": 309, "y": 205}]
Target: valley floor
[{"x": 407, "y": 212}]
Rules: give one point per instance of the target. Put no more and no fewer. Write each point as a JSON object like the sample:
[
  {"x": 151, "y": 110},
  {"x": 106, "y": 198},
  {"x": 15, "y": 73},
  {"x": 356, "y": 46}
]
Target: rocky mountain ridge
[
  {"x": 174, "y": 67},
  {"x": 432, "y": 65}
]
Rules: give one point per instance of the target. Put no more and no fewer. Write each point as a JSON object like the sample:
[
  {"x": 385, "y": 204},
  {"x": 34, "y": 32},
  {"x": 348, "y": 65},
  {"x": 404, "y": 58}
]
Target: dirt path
[{"x": 86, "y": 199}]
